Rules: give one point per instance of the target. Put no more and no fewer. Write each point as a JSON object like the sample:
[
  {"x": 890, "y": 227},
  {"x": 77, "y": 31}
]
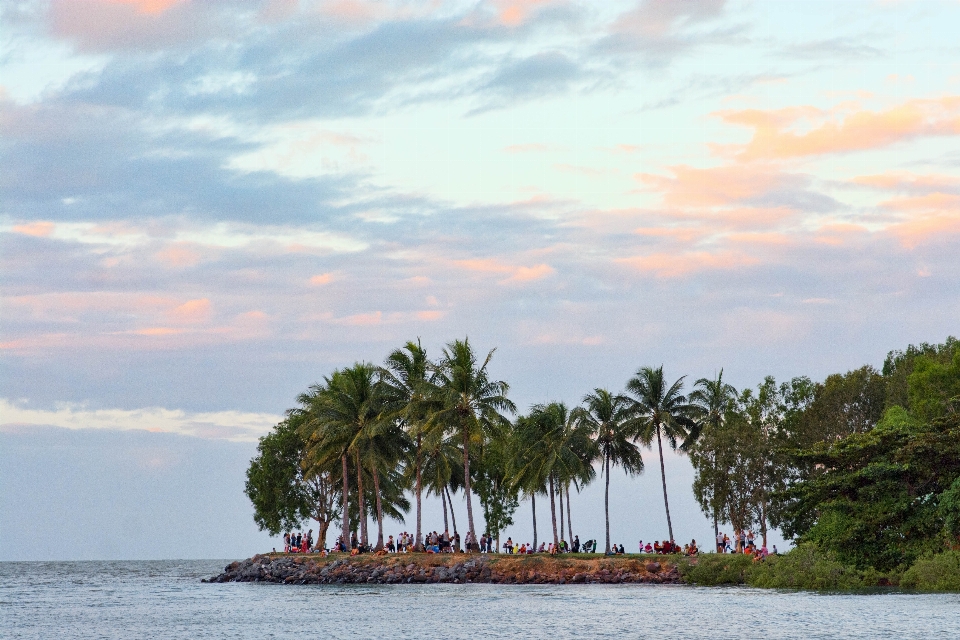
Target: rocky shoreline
[{"x": 454, "y": 568}]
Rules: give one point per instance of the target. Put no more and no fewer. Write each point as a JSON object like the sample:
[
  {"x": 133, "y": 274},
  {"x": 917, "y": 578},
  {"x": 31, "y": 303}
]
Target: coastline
[{"x": 423, "y": 568}]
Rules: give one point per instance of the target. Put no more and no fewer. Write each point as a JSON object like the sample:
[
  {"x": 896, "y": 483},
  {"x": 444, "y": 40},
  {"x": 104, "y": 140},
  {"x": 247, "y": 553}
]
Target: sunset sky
[{"x": 207, "y": 206}]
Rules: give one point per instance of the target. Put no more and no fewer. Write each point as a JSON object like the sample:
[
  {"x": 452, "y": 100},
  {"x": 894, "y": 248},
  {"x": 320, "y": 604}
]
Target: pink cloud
[
  {"x": 362, "y": 319},
  {"x": 157, "y": 331},
  {"x": 192, "y": 311},
  {"x": 775, "y": 134},
  {"x": 514, "y": 13},
  {"x": 676, "y": 265},
  {"x": 103, "y": 25},
  {"x": 321, "y": 279},
  {"x": 36, "y": 229},
  {"x": 430, "y": 315},
  {"x": 527, "y": 274},
  {"x": 179, "y": 254},
  {"x": 711, "y": 187}
]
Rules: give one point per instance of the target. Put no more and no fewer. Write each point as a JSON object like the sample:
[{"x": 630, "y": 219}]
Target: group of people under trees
[
  {"x": 435, "y": 542},
  {"x": 743, "y": 542}
]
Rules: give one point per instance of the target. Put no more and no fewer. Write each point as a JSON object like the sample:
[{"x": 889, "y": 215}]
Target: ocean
[{"x": 165, "y": 599}]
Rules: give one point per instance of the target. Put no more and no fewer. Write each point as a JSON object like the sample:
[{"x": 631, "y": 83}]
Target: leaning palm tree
[
  {"x": 712, "y": 399},
  {"x": 470, "y": 405},
  {"x": 405, "y": 376},
  {"x": 662, "y": 411},
  {"x": 608, "y": 419}
]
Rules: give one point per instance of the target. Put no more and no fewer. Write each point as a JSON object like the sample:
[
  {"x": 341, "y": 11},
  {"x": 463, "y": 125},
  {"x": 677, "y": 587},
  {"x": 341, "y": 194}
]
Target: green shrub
[
  {"x": 939, "y": 572},
  {"x": 806, "y": 567},
  {"x": 715, "y": 568}
]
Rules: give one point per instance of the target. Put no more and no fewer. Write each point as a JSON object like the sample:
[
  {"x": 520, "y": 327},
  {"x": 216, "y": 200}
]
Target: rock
[{"x": 653, "y": 567}]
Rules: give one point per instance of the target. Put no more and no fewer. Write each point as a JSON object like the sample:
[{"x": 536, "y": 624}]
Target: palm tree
[
  {"x": 405, "y": 376},
  {"x": 347, "y": 411},
  {"x": 712, "y": 398},
  {"x": 439, "y": 470},
  {"x": 524, "y": 474},
  {"x": 662, "y": 411},
  {"x": 551, "y": 455},
  {"x": 384, "y": 444},
  {"x": 607, "y": 417},
  {"x": 470, "y": 405}
]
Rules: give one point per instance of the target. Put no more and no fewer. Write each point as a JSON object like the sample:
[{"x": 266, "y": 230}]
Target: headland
[{"x": 458, "y": 568}]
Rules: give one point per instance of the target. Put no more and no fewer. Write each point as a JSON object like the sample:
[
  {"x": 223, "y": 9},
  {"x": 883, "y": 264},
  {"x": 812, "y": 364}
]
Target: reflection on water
[{"x": 165, "y": 599}]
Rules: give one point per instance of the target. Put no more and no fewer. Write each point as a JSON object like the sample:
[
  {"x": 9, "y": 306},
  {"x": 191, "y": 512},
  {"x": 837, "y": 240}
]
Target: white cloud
[{"x": 236, "y": 426}]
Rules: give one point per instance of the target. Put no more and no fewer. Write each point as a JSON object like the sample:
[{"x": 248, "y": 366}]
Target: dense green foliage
[
  {"x": 862, "y": 470},
  {"x": 882, "y": 496},
  {"x": 934, "y": 572}
]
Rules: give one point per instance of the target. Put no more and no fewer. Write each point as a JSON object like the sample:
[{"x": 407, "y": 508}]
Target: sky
[{"x": 206, "y": 207}]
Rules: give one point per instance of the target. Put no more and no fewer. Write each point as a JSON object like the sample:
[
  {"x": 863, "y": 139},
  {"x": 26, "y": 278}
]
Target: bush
[
  {"x": 939, "y": 572},
  {"x": 715, "y": 569},
  {"x": 807, "y": 567}
]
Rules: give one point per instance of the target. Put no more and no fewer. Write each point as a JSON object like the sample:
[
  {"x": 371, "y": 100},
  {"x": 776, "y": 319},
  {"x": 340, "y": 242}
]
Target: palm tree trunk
[
  {"x": 418, "y": 546},
  {"x": 533, "y": 506},
  {"x": 345, "y": 517},
  {"x": 453, "y": 516},
  {"x": 569, "y": 519},
  {"x": 443, "y": 500},
  {"x": 466, "y": 481},
  {"x": 560, "y": 488},
  {"x": 553, "y": 513},
  {"x": 606, "y": 503},
  {"x": 376, "y": 488},
  {"x": 663, "y": 476},
  {"x": 364, "y": 539}
]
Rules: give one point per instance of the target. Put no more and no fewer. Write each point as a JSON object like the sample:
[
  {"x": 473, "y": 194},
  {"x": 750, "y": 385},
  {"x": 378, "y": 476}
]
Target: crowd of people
[
  {"x": 744, "y": 542},
  {"x": 435, "y": 542}
]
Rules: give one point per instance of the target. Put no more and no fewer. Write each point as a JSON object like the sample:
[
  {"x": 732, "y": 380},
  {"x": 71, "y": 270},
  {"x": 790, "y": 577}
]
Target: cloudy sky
[{"x": 206, "y": 206}]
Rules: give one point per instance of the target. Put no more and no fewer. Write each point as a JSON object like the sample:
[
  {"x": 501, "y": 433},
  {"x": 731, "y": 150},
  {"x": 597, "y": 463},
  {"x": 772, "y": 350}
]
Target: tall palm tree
[
  {"x": 552, "y": 453},
  {"x": 524, "y": 473},
  {"x": 347, "y": 411},
  {"x": 712, "y": 399},
  {"x": 405, "y": 375},
  {"x": 607, "y": 417},
  {"x": 383, "y": 445},
  {"x": 471, "y": 405},
  {"x": 440, "y": 469},
  {"x": 662, "y": 411}
]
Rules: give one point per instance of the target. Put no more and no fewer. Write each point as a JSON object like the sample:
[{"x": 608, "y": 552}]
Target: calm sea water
[{"x": 165, "y": 599}]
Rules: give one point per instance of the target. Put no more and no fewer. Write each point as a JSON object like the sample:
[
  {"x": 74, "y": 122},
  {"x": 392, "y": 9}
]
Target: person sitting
[
  {"x": 543, "y": 548},
  {"x": 657, "y": 548},
  {"x": 621, "y": 551},
  {"x": 648, "y": 548}
]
